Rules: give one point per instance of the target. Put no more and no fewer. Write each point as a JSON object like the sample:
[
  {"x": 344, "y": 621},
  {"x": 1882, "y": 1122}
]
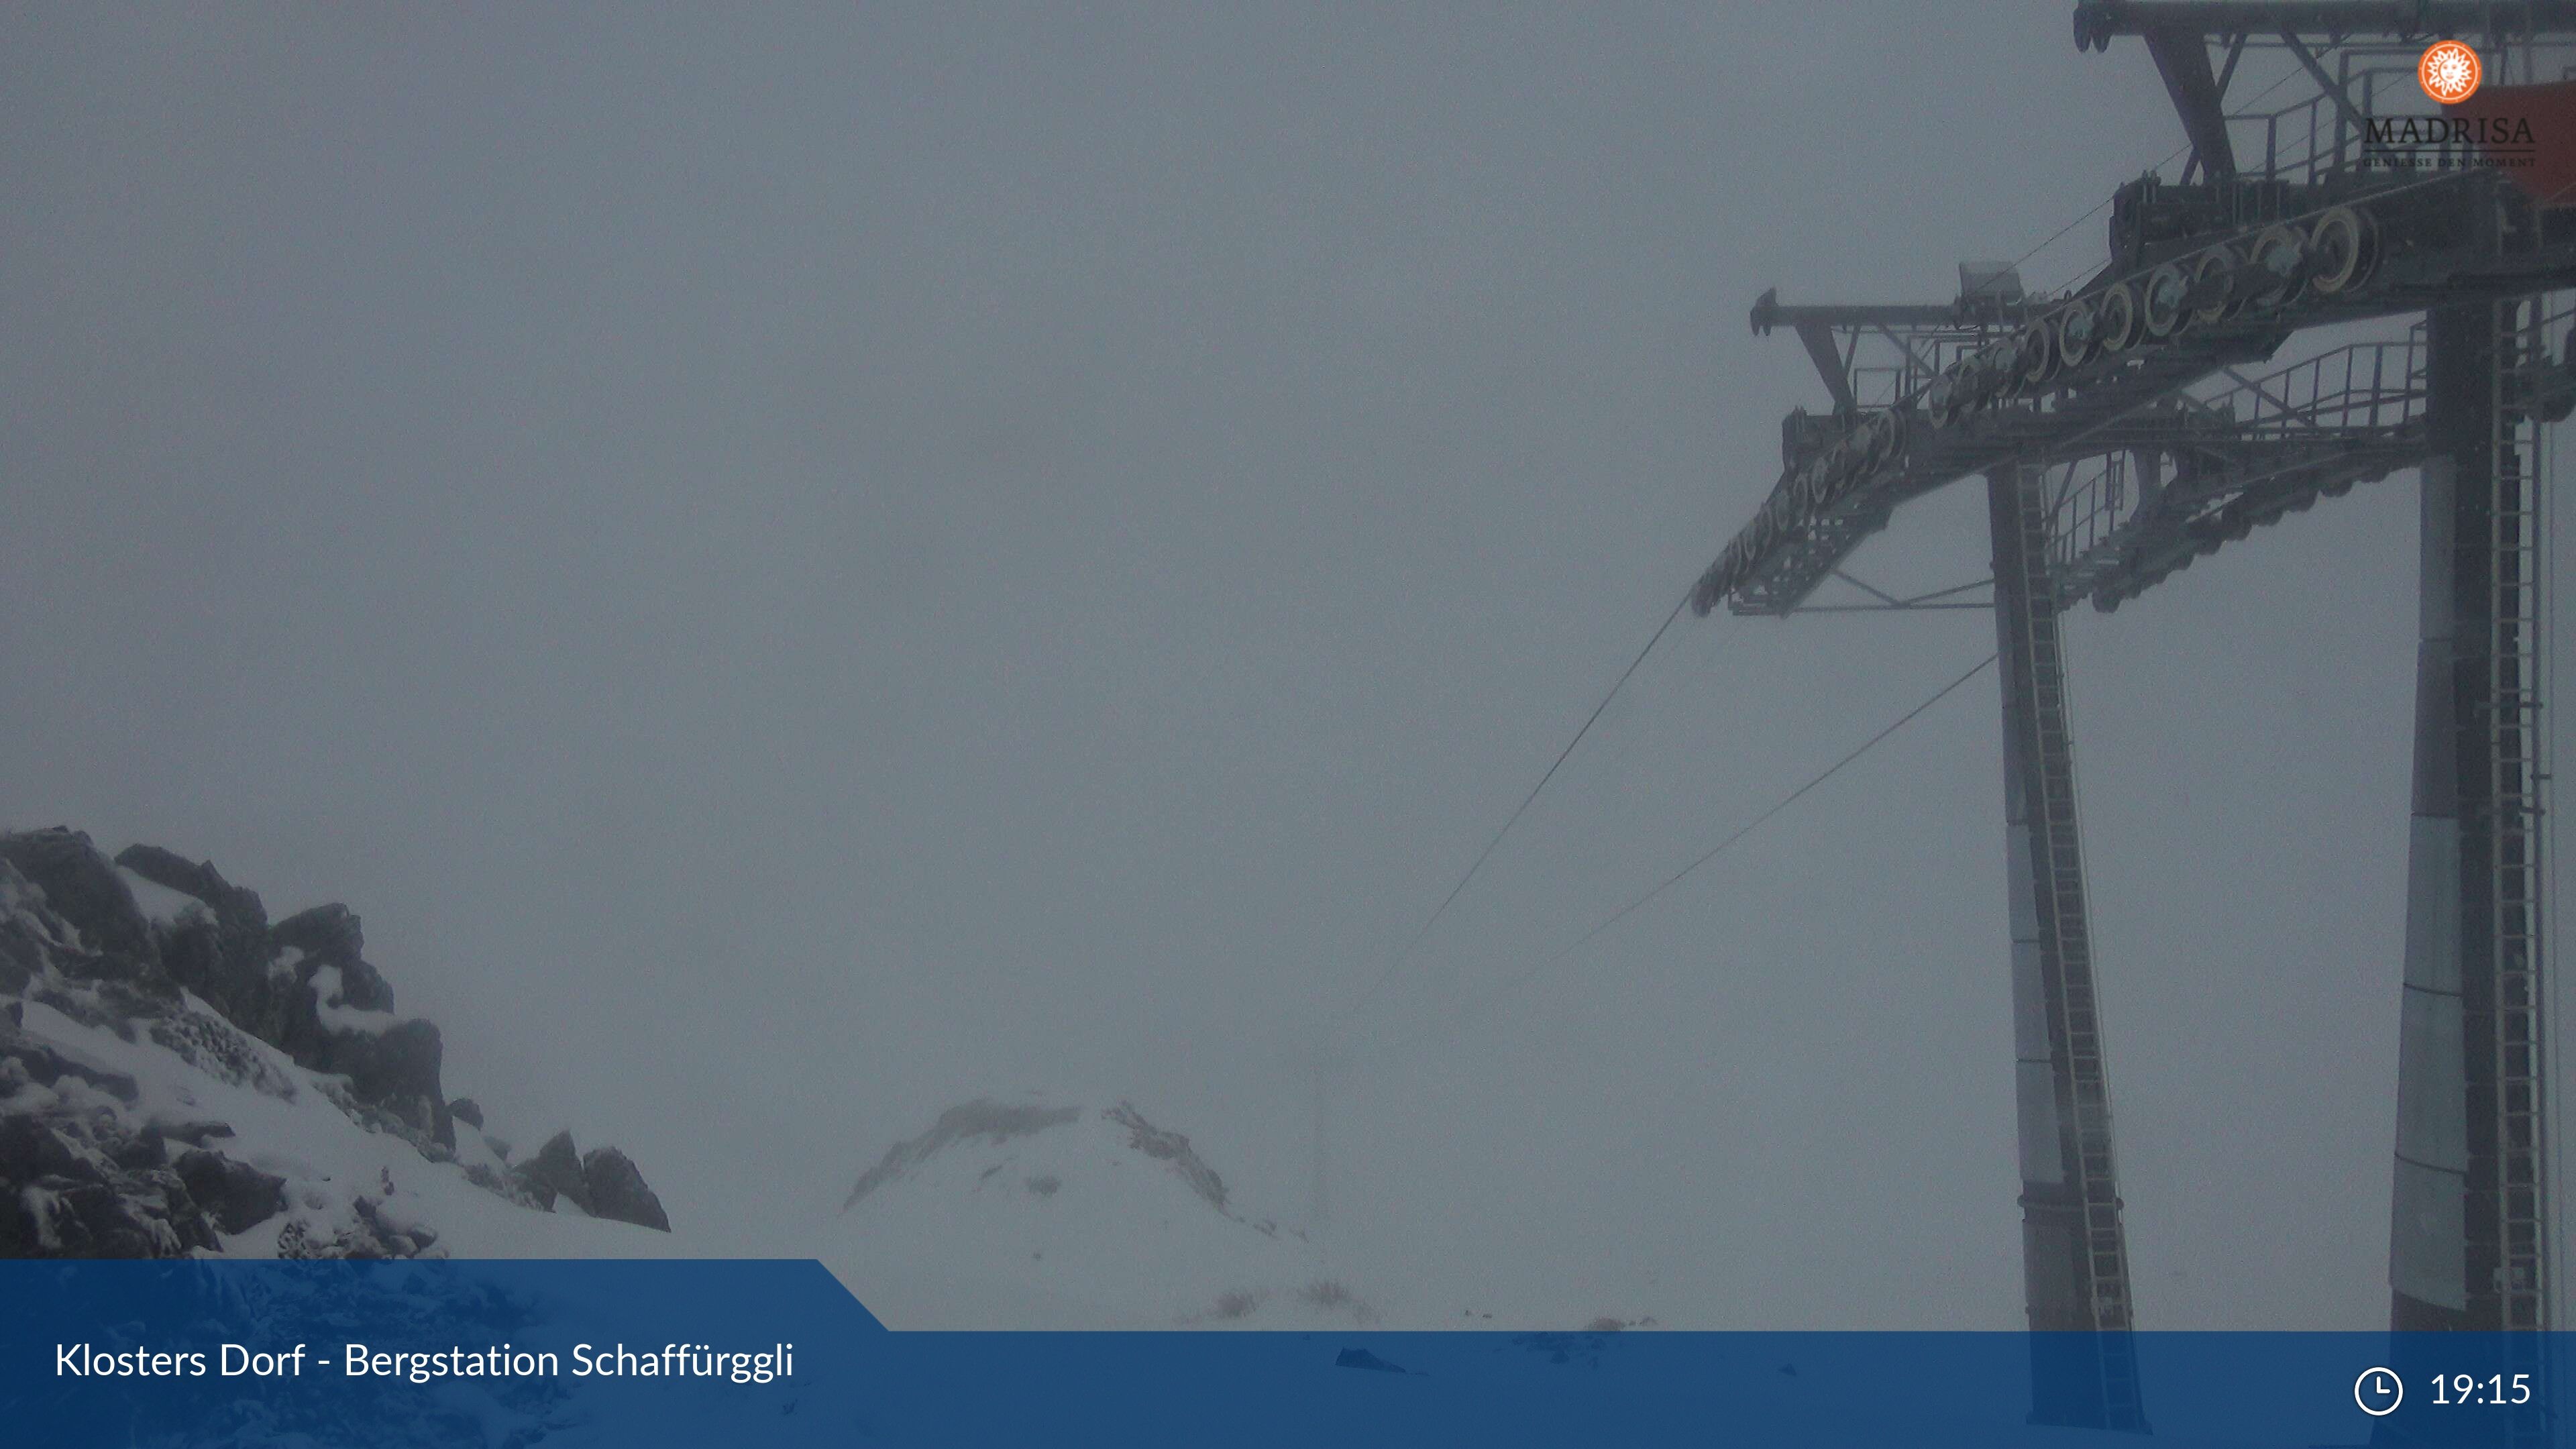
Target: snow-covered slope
[
  {"x": 179, "y": 1076},
  {"x": 1033, "y": 1213},
  {"x": 343, "y": 1188}
]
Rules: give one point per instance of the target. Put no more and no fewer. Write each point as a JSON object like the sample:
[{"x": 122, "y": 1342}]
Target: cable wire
[
  {"x": 1397, "y": 965},
  {"x": 1712, "y": 853}
]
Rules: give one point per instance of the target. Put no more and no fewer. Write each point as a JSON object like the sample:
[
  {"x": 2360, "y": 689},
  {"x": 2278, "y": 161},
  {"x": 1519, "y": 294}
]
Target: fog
[{"x": 800, "y": 565}]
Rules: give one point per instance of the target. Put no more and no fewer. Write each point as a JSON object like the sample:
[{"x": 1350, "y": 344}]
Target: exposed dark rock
[
  {"x": 236, "y": 1195},
  {"x": 617, "y": 1190},
  {"x": 227, "y": 965},
  {"x": 170, "y": 868},
  {"x": 396, "y": 1068},
  {"x": 83, "y": 1173},
  {"x": 1171, "y": 1147},
  {"x": 225, "y": 959},
  {"x": 363, "y": 987},
  {"x": 556, "y": 1171},
  {"x": 329, "y": 933},
  {"x": 96, "y": 1220},
  {"x": 80, "y": 1184},
  {"x": 982, "y": 1118},
  {"x": 232, "y": 963},
  {"x": 84, "y": 889},
  {"x": 31, "y": 1151},
  {"x": 23, "y": 940},
  {"x": 199, "y": 878}
]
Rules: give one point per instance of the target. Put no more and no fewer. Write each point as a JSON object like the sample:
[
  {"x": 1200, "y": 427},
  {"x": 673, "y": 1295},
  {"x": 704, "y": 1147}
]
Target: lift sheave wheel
[
  {"x": 2160, "y": 307},
  {"x": 2035, "y": 347},
  {"x": 1877, "y": 437},
  {"x": 1829, "y": 475},
  {"x": 1995, "y": 368},
  {"x": 2278, "y": 257},
  {"x": 2216, "y": 269},
  {"x": 2119, "y": 324},
  {"x": 2343, "y": 250},
  {"x": 1963, "y": 387},
  {"x": 2078, "y": 333},
  {"x": 1808, "y": 489}
]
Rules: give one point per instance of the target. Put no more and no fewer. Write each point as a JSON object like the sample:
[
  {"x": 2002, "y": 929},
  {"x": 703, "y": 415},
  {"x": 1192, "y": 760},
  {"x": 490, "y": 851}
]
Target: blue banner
[{"x": 642, "y": 1354}]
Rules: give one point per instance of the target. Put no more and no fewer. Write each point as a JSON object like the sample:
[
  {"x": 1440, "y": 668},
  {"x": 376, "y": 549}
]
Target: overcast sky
[{"x": 803, "y": 564}]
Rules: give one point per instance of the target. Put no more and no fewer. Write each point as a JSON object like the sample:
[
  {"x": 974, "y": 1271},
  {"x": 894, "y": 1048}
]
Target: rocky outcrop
[
  {"x": 302, "y": 984},
  {"x": 204, "y": 974},
  {"x": 236, "y": 1195},
  {"x": 84, "y": 890},
  {"x": 170, "y": 870},
  {"x": 396, "y": 1069},
  {"x": 556, "y": 1172},
  {"x": 982, "y": 1118},
  {"x": 80, "y": 1178},
  {"x": 226, "y": 952},
  {"x": 618, "y": 1190},
  {"x": 1172, "y": 1149},
  {"x": 604, "y": 1184},
  {"x": 327, "y": 933}
]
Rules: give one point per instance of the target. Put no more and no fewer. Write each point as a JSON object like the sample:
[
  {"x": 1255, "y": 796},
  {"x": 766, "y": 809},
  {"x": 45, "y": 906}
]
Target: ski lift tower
[{"x": 2133, "y": 423}]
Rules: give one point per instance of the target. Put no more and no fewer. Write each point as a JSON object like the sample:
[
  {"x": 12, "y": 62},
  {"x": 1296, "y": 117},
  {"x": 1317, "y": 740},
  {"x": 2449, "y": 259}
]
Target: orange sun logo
[{"x": 2449, "y": 71}]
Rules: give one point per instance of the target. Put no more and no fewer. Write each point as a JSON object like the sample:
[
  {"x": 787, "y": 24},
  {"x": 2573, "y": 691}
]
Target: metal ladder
[
  {"x": 2512, "y": 824},
  {"x": 2074, "y": 1015}
]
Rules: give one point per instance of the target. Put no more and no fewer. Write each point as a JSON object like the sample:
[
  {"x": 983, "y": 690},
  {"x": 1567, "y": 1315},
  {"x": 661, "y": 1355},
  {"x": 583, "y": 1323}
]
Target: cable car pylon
[{"x": 2133, "y": 424}]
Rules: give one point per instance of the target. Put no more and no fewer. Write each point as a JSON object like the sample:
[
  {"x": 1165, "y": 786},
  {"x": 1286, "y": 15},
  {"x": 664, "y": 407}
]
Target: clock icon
[{"x": 2378, "y": 1391}]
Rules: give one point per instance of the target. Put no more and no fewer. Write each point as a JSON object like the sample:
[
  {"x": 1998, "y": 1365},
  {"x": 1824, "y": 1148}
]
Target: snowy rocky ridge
[
  {"x": 1042, "y": 1213},
  {"x": 181, "y": 1075}
]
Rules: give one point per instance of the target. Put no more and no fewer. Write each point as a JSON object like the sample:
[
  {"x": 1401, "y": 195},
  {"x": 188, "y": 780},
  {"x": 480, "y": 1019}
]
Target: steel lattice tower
[{"x": 2120, "y": 435}]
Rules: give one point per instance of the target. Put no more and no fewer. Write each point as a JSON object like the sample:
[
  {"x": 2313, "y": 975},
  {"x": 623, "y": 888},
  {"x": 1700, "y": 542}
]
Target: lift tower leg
[
  {"x": 2075, "y": 1262},
  {"x": 2467, "y": 1243}
]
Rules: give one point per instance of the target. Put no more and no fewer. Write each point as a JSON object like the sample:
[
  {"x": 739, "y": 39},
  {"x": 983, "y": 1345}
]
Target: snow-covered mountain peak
[{"x": 1042, "y": 1213}]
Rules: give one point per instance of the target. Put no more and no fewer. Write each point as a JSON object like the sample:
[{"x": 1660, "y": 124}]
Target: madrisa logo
[
  {"x": 2495, "y": 133},
  {"x": 2489, "y": 132},
  {"x": 2449, "y": 72}
]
